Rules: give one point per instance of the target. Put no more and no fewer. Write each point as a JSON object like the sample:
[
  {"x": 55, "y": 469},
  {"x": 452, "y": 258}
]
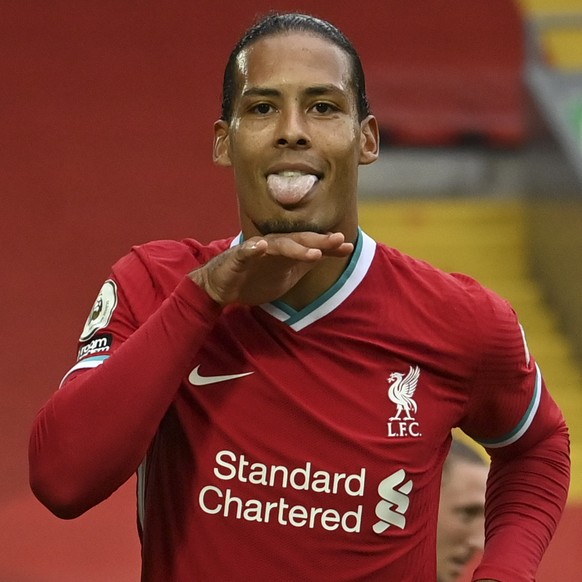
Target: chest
[{"x": 344, "y": 396}]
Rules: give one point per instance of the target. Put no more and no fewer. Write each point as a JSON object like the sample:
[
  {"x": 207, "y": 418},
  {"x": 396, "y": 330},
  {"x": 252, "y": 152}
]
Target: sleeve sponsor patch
[
  {"x": 99, "y": 344},
  {"x": 102, "y": 310}
]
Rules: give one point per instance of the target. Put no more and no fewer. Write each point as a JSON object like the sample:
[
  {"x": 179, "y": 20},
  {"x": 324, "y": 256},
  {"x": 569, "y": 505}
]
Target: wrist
[{"x": 200, "y": 278}]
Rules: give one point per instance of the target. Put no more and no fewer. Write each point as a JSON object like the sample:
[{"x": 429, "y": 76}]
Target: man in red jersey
[{"x": 286, "y": 396}]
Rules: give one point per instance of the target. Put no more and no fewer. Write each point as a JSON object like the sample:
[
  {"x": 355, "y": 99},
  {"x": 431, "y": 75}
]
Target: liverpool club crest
[{"x": 402, "y": 387}]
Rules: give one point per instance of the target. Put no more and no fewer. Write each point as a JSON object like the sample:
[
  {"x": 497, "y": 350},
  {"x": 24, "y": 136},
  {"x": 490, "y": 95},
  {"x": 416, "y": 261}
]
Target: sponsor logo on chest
[{"x": 224, "y": 500}]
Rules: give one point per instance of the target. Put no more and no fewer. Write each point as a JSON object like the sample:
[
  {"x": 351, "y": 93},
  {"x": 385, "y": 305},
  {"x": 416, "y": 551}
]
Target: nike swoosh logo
[{"x": 197, "y": 380}]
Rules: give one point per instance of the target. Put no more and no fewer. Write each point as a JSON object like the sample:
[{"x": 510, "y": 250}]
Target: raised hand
[{"x": 263, "y": 269}]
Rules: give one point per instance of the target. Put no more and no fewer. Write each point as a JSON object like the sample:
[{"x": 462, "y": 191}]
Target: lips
[{"x": 289, "y": 187}]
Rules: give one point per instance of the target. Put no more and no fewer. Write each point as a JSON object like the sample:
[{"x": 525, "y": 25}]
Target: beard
[{"x": 282, "y": 226}]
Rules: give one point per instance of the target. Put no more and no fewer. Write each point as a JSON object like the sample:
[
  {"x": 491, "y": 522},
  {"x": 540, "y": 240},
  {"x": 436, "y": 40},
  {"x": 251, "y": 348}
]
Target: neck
[{"x": 315, "y": 282}]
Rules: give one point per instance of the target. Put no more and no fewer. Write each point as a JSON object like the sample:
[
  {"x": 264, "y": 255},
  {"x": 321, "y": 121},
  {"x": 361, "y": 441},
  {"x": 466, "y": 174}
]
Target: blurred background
[{"x": 106, "y": 112}]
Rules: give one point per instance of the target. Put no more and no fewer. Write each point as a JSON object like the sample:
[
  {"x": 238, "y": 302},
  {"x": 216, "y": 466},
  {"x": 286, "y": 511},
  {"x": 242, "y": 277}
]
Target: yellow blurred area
[
  {"x": 563, "y": 47},
  {"x": 562, "y": 43},
  {"x": 551, "y": 6}
]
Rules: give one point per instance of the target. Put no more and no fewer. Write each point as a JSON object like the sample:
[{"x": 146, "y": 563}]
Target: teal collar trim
[{"x": 350, "y": 279}]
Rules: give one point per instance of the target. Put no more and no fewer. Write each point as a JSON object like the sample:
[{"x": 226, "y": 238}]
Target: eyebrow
[
  {"x": 260, "y": 92},
  {"x": 314, "y": 90},
  {"x": 323, "y": 89}
]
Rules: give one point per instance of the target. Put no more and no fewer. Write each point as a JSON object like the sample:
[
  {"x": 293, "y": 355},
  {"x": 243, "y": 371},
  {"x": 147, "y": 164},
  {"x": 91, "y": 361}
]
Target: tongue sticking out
[{"x": 290, "y": 189}]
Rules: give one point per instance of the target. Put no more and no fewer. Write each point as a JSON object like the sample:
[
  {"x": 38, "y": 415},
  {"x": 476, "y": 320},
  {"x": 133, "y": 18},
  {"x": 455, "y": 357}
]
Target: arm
[
  {"x": 526, "y": 494},
  {"x": 514, "y": 417},
  {"x": 94, "y": 432}
]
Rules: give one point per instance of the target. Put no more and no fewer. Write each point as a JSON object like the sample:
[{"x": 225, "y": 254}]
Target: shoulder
[
  {"x": 421, "y": 280},
  {"x": 155, "y": 268},
  {"x": 173, "y": 253},
  {"x": 452, "y": 308},
  {"x": 166, "y": 256}
]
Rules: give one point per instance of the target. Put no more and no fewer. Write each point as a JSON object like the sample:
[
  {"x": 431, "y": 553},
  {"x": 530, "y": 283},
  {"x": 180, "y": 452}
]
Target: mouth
[
  {"x": 289, "y": 187},
  {"x": 459, "y": 562}
]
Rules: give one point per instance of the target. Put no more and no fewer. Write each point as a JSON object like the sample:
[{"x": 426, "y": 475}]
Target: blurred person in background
[{"x": 461, "y": 520}]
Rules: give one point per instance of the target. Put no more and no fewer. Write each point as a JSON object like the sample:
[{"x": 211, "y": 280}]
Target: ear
[
  {"x": 221, "y": 146},
  {"x": 370, "y": 140}
]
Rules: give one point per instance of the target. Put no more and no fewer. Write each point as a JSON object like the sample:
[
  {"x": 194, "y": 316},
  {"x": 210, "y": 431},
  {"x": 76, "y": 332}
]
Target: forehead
[
  {"x": 466, "y": 478},
  {"x": 293, "y": 57}
]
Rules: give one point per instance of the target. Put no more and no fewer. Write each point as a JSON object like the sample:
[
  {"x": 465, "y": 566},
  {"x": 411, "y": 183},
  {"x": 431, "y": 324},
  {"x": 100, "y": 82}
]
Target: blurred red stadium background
[{"x": 105, "y": 141}]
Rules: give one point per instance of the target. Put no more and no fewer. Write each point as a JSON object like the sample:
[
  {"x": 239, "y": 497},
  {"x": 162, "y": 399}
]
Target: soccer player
[
  {"x": 286, "y": 396},
  {"x": 460, "y": 530}
]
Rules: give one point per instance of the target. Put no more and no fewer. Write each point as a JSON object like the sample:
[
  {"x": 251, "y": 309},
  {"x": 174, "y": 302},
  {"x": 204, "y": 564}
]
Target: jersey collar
[{"x": 353, "y": 275}]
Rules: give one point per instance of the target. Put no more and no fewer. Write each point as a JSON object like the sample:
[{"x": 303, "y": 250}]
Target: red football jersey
[{"x": 298, "y": 445}]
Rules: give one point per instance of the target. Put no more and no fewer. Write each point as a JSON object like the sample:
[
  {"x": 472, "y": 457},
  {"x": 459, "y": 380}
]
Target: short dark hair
[{"x": 281, "y": 22}]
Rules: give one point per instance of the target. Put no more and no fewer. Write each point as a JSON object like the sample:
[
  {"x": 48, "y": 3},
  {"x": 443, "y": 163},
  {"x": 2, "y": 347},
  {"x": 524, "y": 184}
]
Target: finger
[
  {"x": 255, "y": 246},
  {"x": 344, "y": 250},
  {"x": 331, "y": 244},
  {"x": 288, "y": 247},
  {"x": 324, "y": 242},
  {"x": 250, "y": 248}
]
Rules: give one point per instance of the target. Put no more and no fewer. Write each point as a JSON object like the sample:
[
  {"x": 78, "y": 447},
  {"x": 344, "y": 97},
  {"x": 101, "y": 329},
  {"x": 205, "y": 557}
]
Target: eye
[
  {"x": 262, "y": 108},
  {"x": 323, "y": 108},
  {"x": 471, "y": 513}
]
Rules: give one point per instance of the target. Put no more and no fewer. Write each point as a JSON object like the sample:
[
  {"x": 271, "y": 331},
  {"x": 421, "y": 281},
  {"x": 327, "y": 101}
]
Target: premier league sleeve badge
[{"x": 102, "y": 310}]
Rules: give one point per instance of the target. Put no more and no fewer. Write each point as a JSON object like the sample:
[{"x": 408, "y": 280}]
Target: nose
[{"x": 292, "y": 130}]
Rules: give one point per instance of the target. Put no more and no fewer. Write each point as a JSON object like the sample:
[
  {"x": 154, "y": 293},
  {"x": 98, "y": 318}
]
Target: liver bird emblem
[{"x": 401, "y": 392}]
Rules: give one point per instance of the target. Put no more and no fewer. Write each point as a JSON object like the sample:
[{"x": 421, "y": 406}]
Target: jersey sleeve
[
  {"x": 512, "y": 414},
  {"x": 134, "y": 351}
]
